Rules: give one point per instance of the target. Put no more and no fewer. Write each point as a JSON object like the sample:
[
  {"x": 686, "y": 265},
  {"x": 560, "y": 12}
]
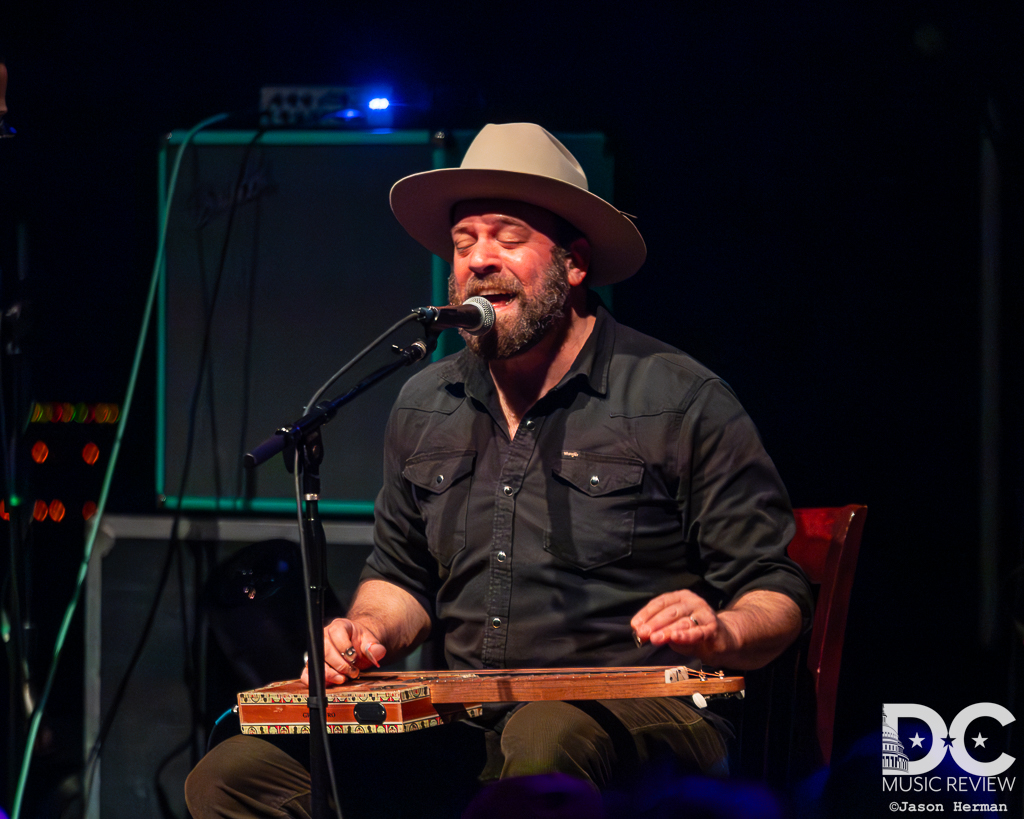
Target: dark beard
[{"x": 536, "y": 316}]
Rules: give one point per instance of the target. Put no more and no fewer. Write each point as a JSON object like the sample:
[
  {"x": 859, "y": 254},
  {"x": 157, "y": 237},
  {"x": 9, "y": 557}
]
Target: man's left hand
[
  {"x": 684, "y": 621},
  {"x": 748, "y": 633}
]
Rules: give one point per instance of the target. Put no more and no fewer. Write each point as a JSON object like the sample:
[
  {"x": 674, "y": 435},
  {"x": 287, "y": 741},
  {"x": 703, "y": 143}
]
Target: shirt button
[
  {"x": 496, "y": 622},
  {"x": 594, "y": 480},
  {"x": 439, "y": 479},
  {"x": 529, "y": 423},
  {"x": 507, "y": 490},
  {"x": 501, "y": 557}
]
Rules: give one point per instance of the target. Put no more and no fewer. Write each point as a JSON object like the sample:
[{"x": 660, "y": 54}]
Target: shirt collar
[{"x": 590, "y": 367}]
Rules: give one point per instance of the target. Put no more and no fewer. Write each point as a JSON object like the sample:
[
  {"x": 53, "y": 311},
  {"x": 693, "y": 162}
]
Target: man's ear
[{"x": 579, "y": 261}]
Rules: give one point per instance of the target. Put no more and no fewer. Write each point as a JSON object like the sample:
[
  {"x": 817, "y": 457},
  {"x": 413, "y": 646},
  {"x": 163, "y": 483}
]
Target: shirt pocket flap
[
  {"x": 598, "y": 475},
  {"x": 436, "y": 471}
]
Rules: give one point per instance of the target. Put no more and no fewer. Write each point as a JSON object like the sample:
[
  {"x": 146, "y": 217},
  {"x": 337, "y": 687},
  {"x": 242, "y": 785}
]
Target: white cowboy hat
[{"x": 523, "y": 162}]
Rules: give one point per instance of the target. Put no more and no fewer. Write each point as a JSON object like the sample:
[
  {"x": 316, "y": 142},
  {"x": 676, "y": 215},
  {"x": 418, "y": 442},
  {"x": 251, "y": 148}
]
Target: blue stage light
[{"x": 379, "y": 104}]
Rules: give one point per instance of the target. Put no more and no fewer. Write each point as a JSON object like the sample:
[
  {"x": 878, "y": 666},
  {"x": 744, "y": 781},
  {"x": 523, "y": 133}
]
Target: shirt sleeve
[
  {"x": 400, "y": 554},
  {"x": 734, "y": 504}
]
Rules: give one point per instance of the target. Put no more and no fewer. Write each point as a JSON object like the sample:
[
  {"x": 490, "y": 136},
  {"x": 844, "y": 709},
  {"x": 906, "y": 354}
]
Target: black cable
[
  {"x": 204, "y": 215},
  {"x": 188, "y": 660},
  {"x": 10, "y": 599},
  {"x": 247, "y": 363},
  {"x": 174, "y": 540},
  {"x": 359, "y": 357},
  {"x": 108, "y": 720},
  {"x": 162, "y": 800},
  {"x": 206, "y": 365},
  {"x": 205, "y": 360},
  {"x": 15, "y": 737},
  {"x": 204, "y": 564}
]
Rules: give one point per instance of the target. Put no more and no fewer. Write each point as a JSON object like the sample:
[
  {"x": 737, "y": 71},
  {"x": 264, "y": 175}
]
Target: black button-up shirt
[{"x": 638, "y": 474}]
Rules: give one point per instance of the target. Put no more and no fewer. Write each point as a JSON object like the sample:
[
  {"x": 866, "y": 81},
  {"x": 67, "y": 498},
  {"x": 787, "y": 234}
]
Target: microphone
[{"x": 475, "y": 315}]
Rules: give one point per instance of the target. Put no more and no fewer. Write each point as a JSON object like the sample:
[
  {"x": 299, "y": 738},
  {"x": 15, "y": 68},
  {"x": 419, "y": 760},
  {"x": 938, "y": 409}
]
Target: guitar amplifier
[{"x": 282, "y": 284}]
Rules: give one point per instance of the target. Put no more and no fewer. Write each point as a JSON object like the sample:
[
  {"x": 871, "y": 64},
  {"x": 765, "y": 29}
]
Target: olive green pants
[{"x": 435, "y": 772}]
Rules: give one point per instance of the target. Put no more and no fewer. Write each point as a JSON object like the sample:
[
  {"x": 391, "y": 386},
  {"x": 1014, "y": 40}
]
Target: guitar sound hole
[{"x": 370, "y": 713}]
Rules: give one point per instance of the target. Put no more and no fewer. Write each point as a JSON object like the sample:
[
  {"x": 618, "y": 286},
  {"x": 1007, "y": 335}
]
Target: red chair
[
  {"x": 826, "y": 546},
  {"x": 787, "y": 719}
]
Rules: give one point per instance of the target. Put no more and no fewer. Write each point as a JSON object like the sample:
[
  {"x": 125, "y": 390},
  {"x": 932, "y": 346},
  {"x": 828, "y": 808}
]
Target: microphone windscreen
[{"x": 487, "y": 309}]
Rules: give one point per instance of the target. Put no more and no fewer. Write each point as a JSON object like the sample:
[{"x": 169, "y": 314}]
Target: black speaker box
[{"x": 221, "y": 560}]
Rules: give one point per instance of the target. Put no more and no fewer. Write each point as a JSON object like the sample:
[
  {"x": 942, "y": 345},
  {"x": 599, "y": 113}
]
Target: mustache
[{"x": 495, "y": 284}]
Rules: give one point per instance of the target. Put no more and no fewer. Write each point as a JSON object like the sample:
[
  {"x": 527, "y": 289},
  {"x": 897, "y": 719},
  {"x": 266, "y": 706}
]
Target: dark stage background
[{"x": 806, "y": 177}]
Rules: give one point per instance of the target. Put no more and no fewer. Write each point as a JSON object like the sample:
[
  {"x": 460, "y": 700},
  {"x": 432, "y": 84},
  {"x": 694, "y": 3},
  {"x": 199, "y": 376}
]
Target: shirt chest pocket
[
  {"x": 441, "y": 482},
  {"x": 592, "y": 506}
]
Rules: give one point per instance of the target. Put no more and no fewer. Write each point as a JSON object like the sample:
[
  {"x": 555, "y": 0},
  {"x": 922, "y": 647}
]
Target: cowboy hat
[{"x": 523, "y": 162}]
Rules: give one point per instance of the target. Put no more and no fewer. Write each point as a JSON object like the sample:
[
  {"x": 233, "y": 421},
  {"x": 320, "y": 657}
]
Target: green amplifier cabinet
[{"x": 278, "y": 290}]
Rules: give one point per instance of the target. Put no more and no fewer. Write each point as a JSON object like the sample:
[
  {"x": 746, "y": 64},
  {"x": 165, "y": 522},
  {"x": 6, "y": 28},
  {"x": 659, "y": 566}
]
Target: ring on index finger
[
  {"x": 694, "y": 620},
  {"x": 349, "y": 652}
]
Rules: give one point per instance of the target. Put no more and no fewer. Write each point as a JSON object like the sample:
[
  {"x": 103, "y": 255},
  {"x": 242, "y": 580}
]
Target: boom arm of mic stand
[{"x": 290, "y": 434}]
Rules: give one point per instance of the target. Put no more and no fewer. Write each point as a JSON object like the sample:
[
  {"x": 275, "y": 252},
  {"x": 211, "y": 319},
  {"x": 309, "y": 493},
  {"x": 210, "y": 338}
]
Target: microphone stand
[{"x": 302, "y": 437}]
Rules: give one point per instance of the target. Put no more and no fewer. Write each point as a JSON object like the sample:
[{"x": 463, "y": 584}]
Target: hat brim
[{"x": 423, "y": 204}]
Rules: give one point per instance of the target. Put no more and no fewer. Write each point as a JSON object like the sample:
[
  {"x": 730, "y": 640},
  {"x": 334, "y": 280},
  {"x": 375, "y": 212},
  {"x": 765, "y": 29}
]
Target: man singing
[{"x": 563, "y": 492}]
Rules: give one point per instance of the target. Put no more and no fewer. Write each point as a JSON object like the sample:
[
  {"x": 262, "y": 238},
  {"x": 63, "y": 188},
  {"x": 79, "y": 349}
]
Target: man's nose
[{"x": 485, "y": 259}]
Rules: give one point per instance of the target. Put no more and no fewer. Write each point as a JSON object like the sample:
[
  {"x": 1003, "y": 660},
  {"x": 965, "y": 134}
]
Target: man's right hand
[{"x": 348, "y": 648}]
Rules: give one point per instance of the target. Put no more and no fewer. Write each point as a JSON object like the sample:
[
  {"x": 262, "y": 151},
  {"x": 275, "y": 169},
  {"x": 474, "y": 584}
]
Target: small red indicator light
[
  {"x": 90, "y": 453},
  {"x": 39, "y": 510},
  {"x": 40, "y": 452},
  {"x": 88, "y": 509},
  {"x": 57, "y": 510}
]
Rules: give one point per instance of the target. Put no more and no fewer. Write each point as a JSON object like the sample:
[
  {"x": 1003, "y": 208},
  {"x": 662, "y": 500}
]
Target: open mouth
[{"x": 499, "y": 299}]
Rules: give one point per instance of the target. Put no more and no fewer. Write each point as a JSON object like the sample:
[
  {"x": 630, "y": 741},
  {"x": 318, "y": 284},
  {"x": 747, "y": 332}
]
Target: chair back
[{"x": 826, "y": 546}]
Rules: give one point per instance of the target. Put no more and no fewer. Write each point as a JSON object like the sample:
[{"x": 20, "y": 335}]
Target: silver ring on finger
[
  {"x": 694, "y": 620},
  {"x": 349, "y": 652}
]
